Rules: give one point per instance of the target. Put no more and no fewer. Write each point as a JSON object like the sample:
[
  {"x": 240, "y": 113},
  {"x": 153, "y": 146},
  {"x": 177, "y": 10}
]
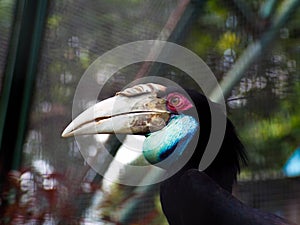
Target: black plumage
[
  {"x": 193, "y": 197},
  {"x": 190, "y": 196}
]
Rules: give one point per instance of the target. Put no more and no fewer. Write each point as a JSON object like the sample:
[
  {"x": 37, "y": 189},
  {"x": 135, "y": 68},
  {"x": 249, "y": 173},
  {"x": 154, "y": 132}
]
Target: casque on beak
[{"x": 136, "y": 110}]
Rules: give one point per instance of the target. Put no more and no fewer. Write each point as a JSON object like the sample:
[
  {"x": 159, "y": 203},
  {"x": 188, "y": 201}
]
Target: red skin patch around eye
[{"x": 177, "y": 102}]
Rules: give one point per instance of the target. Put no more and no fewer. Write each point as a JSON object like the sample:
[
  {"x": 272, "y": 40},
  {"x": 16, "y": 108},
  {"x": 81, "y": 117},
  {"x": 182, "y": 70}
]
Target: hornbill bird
[{"x": 166, "y": 116}]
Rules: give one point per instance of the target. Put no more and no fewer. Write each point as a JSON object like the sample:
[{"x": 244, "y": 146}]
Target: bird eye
[{"x": 176, "y": 102}]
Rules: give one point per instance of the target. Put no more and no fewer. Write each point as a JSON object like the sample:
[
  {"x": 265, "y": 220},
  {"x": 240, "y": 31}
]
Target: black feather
[{"x": 193, "y": 197}]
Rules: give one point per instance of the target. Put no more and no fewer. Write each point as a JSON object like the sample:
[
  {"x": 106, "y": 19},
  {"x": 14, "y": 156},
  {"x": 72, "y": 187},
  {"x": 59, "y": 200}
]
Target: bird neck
[
  {"x": 226, "y": 166},
  {"x": 223, "y": 174}
]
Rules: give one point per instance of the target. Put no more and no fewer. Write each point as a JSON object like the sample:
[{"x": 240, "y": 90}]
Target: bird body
[
  {"x": 193, "y": 198},
  {"x": 189, "y": 196}
]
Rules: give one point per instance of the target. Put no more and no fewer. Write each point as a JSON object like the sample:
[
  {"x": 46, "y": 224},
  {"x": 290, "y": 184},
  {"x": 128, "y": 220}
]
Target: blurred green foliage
[{"x": 264, "y": 106}]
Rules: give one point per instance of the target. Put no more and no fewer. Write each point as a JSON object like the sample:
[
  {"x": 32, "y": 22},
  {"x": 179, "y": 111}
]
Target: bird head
[
  {"x": 166, "y": 116},
  {"x": 174, "y": 121}
]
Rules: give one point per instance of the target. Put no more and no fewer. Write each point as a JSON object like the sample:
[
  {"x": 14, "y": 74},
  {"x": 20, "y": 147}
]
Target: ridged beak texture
[{"x": 135, "y": 110}]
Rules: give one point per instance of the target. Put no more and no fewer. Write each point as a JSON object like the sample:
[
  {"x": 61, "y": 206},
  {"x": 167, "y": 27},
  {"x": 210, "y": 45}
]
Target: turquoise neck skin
[{"x": 161, "y": 144}]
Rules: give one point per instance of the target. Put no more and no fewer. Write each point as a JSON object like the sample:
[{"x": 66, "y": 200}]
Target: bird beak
[{"x": 121, "y": 114}]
